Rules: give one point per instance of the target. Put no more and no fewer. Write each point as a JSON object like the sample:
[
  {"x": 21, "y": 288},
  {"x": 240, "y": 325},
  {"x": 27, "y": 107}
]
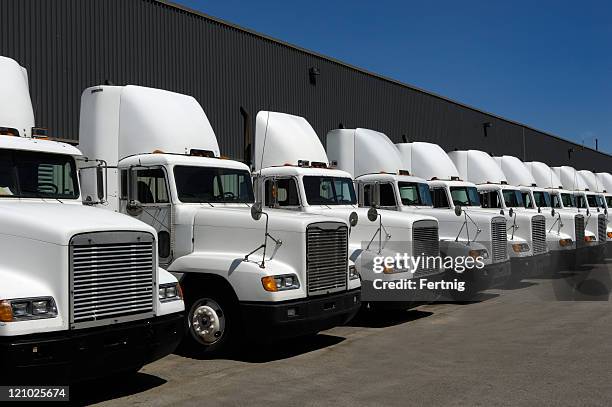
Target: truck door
[{"x": 148, "y": 200}]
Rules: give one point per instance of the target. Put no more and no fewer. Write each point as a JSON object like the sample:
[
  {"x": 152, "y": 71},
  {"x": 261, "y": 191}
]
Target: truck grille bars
[
  {"x": 579, "y": 219},
  {"x": 499, "y": 239},
  {"x": 538, "y": 234},
  {"x": 326, "y": 257},
  {"x": 111, "y": 277},
  {"x": 425, "y": 243},
  {"x": 601, "y": 229}
]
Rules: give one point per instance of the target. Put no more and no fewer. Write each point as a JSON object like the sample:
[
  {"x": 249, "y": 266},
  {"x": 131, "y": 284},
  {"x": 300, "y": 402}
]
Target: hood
[
  {"x": 240, "y": 218},
  {"x": 56, "y": 223}
]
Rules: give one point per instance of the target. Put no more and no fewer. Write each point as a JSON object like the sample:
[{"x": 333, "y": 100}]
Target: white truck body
[
  {"x": 287, "y": 148},
  {"x": 481, "y": 169},
  {"x": 167, "y": 159},
  {"x": 560, "y": 224},
  {"x": 595, "y": 219},
  {"x": 97, "y": 268},
  {"x": 431, "y": 162},
  {"x": 372, "y": 158}
]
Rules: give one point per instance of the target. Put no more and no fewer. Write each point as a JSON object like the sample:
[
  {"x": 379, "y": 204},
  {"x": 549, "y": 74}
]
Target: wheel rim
[{"x": 207, "y": 321}]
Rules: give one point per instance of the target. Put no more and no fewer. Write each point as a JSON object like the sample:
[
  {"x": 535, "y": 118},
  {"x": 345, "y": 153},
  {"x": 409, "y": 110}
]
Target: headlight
[
  {"x": 24, "y": 309},
  {"x": 353, "y": 273},
  {"x": 170, "y": 292},
  {"x": 280, "y": 283},
  {"x": 520, "y": 247},
  {"x": 589, "y": 239},
  {"x": 565, "y": 242},
  {"x": 479, "y": 253}
]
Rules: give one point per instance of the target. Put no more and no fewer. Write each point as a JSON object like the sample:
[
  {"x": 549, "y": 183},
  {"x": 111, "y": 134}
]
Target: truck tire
[{"x": 212, "y": 322}]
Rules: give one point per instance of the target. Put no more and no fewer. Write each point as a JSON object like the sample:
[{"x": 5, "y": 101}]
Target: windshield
[
  {"x": 592, "y": 200},
  {"x": 415, "y": 194},
  {"x": 329, "y": 190},
  {"x": 568, "y": 200},
  {"x": 465, "y": 196},
  {"x": 542, "y": 199},
  {"x": 213, "y": 185},
  {"x": 513, "y": 198},
  {"x": 27, "y": 174}
]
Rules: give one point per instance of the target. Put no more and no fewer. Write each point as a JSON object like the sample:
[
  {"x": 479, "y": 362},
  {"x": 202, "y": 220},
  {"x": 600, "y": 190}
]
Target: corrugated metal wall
[{"x": 68, "y": 45}]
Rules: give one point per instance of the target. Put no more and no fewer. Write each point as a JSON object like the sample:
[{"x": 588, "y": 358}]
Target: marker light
[
  {"x": 565, "y": 242},
  {"x": 589, "y": 239}
]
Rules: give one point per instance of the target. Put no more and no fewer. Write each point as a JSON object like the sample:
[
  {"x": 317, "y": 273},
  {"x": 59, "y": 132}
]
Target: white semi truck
[
  {"x": 449, "y": 190},
  {"x": 595, "y": 219},
  {"x": 560, "y": 224},
  {"x": 245, "y": 272},
  {"x": 597, "y": 200},
  {"x": 605, "y": 180},
  {"x": 563, "y": 199},
  {"x": 81, "y": 293},
  {"x": 292, "y": 172},
  {"x": 377, "y": 166},
  {"x": 495, "y": 194}
]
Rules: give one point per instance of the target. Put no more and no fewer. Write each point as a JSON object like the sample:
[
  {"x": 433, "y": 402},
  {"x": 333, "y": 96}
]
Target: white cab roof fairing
[
  {"x": 294, "y": 171},
  {"x": 477, "y": 166},
  {"x": 119, "y": 121},
  {"x": 427, "y": 160},
  {"x": 38, "y": 145},
  {"x": 282, "y": 138},
  {"x": 15, "y": 105},
  {"x": 570, "y": 178},
  {"x": 182, "y": 160},
  {"x": 363, "y": 151},
  {"x": 544, "y": 176},
  {"x": 591, "y": 180},
  {"x": 605, "y": 179},
  {"x": 515, "y": 171}
]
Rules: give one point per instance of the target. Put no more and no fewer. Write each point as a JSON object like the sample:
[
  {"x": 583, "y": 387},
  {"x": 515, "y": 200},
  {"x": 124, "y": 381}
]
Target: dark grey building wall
[{"x": 68, "y": 45}]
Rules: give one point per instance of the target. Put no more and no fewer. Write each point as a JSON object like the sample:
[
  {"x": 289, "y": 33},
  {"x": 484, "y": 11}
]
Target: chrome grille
[
  {"x": 326, "y": 257},
  {"x": 426, "y": 243},
  {"x": 499, "y": 239},
  {"x": 601, "y": 229},
  {"x": 579, "y": 228},
  {"x": 538, "y": 234},
  {"x": 111, "y": 277}
]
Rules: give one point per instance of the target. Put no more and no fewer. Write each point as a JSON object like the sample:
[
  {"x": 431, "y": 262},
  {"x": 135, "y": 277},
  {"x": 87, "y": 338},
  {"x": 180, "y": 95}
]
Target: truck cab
[
  {"x": 560, "y": 224},
  {"x": 246, "y": 271},
  {"x": 532, "y": 256},
  {"x": 381, "y": 177},
  {"x": 595, "y": 218},
  {"x": 292, "y": 166},
  {"x": 596, "y": 199},
  {"x": 82, "y": 295}
]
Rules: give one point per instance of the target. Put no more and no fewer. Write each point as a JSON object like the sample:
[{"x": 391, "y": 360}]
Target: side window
[
  {"x": 367, "y": 195},
  {"x": 556, "y": 202},
  {"x": 527, "y": 200},
  {"x": 286, "y": 192},
  {"x": 387, "y": 195},
  {"x": 151, "y": 186},
  {"x": 123, "y": 179},
  {"x": 489, "y": 199},
  {"x": 440, "y": 200}
]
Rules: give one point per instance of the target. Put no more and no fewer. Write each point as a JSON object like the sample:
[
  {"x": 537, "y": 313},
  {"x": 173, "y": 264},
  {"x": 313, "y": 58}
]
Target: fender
[{"x": 243, "y": 276}]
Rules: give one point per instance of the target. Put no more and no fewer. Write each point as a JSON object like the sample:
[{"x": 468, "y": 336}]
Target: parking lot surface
[{"x": 546, "y": 341}]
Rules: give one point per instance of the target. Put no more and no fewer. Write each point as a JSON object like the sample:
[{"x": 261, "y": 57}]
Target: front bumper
[
  {"x": 75, "y": 355},
  {"x": 529, "y": 267},
  {"x": 286, "y": 319}
]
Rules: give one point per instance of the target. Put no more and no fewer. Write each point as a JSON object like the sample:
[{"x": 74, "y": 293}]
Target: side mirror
[
  {"x": 256, "y": 211},
  {"x": 553, "y": 212},
  {"x": 605, "y": 211},
  {"x": 375, "y": 195},
  {"x": 372, "y": 214},
  {"x": 353, "y": 219},
  {"x": 501, "y": 212},
  {"x": 134, "y": 208},
  {"x": 458, "y": 210},
  {"x": 511, "y": 212},
  {"x": 539, "y": 209}
]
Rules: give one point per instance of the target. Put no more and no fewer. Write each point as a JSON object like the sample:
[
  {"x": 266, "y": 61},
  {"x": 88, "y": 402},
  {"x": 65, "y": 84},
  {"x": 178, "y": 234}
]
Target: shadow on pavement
[
  {"x": 99, "y": 390},
  {"x": 285, "y": 349},
  {"x": 386, "y": 318}
]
